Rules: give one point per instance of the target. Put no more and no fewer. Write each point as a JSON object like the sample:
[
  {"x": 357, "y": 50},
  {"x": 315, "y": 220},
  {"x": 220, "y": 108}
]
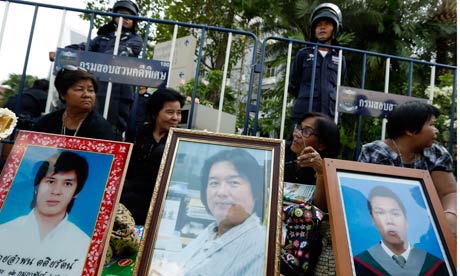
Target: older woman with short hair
[{"x": 77, "y": 89}]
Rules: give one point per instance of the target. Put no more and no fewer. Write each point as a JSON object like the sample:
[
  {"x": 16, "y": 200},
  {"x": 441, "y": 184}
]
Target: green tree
[
  {"x": 417, "y": 29},
  {"x": 407, "y": 28},
  {"x": 210, "y": 84},
  {"x": 13, "y": 81},
  {"x": 242, "y": 15}
]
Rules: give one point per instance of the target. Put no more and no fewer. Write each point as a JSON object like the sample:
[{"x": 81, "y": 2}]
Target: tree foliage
[
  {"x": 211, "y": 85},
  {"x": 420, "y": 29},
  {"x": 13, "y": 81}
]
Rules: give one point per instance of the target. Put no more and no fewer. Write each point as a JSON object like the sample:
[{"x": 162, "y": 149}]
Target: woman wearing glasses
[
  {"x": 315, "y": 137},
  {"x": 77, "y": 89}
]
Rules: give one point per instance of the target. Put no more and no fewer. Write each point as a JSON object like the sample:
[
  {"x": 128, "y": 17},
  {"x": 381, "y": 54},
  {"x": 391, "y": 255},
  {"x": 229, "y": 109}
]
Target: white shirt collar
[
  {"x": 390, "y": 253},
  {"x": 323, "y": 52}
]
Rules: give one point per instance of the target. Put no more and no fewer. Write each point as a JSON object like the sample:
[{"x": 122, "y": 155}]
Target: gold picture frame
[{"x": 177, "y": 217}]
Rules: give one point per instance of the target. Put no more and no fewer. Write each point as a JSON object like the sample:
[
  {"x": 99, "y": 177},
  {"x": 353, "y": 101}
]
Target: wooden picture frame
[
  {"x": 356, "y": 232},
  {"x": 178, "y": 219},
  {"x": 73, "y": 184}
]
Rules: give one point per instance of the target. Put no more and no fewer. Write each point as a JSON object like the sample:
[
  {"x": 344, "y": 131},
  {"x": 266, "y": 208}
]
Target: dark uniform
[{"x": 324, "y": 95}]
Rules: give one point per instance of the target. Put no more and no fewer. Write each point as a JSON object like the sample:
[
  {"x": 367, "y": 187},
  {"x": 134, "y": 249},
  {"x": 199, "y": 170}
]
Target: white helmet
[{"x": 326, "y": 10}]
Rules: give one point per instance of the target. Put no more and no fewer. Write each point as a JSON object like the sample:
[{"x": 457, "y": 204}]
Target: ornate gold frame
[{"x": 208, "y": 140}]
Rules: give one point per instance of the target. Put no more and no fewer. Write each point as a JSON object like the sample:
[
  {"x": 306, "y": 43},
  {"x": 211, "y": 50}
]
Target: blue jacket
[
  {"x": 122, "y": 94},
  {"x": 325, "y": 86}
]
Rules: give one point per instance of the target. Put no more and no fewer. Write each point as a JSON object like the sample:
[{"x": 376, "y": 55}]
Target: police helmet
[
  {"x": 127, "y": 4},
  {"x": 326, "y": 10}
]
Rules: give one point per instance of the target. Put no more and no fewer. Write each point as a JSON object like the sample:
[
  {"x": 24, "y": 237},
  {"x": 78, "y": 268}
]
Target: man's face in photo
[
  {"x": 55, "y": 192},
  {"x": 390, "y": 221}
]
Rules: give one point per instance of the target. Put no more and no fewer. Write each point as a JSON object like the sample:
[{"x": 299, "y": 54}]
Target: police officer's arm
[
  {"x": 81, "y": 46},
  {"x": 135, "y": 44},
  {"x": 295, "y": 75}
]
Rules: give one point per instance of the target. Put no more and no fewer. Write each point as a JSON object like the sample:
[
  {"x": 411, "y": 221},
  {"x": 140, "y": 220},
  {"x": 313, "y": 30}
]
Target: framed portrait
[
  {"x": 216, "y": 207},
  {"x": 387, "y": 220},
  {"x": 57, "y": 203}
]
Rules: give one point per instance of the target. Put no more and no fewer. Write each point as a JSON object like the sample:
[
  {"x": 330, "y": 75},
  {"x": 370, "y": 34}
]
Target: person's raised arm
[
  {"x": 135, "y": 44},
  {"x": 311, "y": 158},
  {"x": 446, "y": 187}
]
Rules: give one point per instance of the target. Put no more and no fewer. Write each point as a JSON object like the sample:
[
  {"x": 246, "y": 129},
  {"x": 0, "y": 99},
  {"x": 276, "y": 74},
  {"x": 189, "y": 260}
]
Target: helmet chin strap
[{"x": 324, "y": 39}]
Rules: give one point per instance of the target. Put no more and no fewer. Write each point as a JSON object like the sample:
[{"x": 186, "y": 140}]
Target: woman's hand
[{"x": 309, "y": 157}]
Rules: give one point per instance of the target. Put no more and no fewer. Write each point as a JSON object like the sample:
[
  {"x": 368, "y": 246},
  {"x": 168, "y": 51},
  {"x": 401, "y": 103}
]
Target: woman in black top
[
  {"x": 164, "y": 108},
  {"x": 315, "y": 137}
]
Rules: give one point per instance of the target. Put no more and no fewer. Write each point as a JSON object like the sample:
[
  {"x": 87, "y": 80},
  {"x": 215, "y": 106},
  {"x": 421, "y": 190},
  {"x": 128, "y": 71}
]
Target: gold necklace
[
  {"x": 400, "y": 155},
  {"x": 64, "y": 117}
]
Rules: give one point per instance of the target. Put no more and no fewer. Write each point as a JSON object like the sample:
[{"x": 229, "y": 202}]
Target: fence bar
[
  {"x": 90, "y": 31},
  {"x": 339, "y": 82},
  {"x": 286, "y": 86},
  {"x": 432, "y": 80},
  {"x": 409, "y": 81},
  {"x": 197, "y": 76},
  {"x": 313, "y": 80},
  {"x": 224, "y": 80},
  {"x": 385, "y": 90},
  {"x": 5, "y": 17},
  {"x": 249, "y": 106},
  {"x": 108, "y": 95},
  {"x": 51, "y": 75},
  {"x": 17, "y": 107},
  {"x": 171, "y": 53},
  {"x": 360, "y": 118}
]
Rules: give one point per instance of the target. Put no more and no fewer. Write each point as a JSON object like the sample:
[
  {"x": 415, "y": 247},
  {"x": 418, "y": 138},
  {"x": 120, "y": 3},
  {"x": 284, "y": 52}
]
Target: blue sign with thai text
[
  {"x": 117, "y": 69},
  {"x": 370, "y": 103}
]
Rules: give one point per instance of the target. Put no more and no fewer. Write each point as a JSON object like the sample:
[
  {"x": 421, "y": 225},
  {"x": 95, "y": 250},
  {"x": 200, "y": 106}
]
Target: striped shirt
[{"x": 239, "y": 251}]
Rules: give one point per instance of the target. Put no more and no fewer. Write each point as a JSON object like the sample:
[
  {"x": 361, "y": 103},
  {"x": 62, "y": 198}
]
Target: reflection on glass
[{"x": 226, "y": 236}]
